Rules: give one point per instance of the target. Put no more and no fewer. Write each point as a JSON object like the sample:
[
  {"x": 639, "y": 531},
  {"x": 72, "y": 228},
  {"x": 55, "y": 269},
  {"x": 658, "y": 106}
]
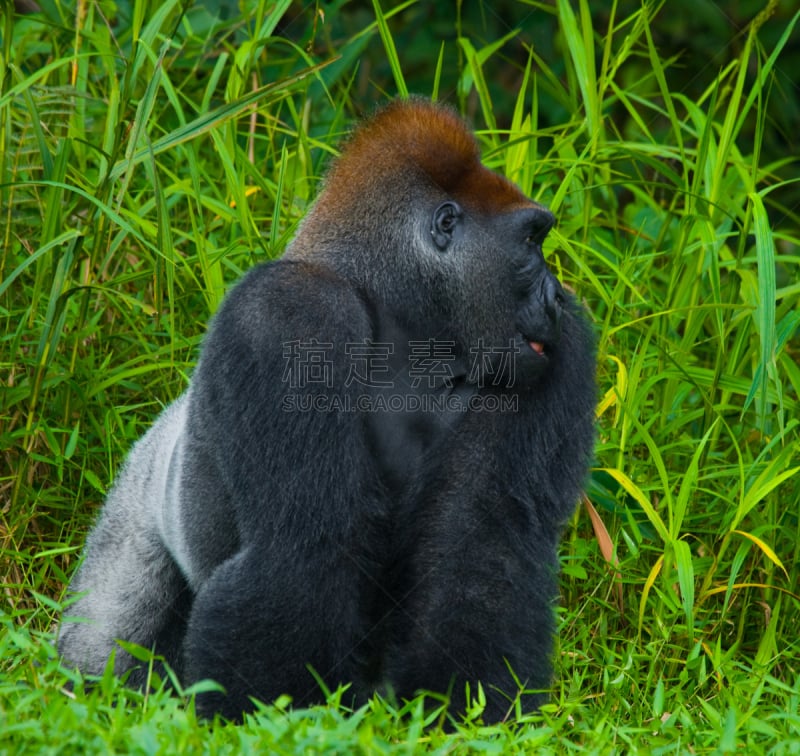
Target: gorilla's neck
[{"x": 385, "y": 272}]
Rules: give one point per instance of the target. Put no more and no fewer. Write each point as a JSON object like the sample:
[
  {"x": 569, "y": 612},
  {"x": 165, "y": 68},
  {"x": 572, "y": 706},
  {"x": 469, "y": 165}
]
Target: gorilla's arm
[
  {"x": 303, "y": 486},
  {"x": 478, "y": 603}
]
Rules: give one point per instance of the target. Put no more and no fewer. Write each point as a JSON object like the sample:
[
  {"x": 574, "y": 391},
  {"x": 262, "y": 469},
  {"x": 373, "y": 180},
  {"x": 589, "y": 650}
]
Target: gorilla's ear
[{"x": 445, "y": 219}]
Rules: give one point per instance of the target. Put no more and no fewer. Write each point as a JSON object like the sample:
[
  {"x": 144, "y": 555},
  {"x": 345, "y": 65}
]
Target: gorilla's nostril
[{"x": 553, "y": 298}]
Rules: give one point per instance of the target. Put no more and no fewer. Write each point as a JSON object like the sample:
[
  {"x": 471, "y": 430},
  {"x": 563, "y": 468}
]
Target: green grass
[{"x": 150, "y": 159}]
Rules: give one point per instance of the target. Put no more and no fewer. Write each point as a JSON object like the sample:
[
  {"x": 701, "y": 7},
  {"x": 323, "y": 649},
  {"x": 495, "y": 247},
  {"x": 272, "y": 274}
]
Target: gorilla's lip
[{"x": 535, "y": 345}]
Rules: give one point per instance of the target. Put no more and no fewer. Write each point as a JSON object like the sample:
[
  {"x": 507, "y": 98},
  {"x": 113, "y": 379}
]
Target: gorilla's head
[
  {"x": 412, "y": 217},
  {"x": 511, "y": 305}
]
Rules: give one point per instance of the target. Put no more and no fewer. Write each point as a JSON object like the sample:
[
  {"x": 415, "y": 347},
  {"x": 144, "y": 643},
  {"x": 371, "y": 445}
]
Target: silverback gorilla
[{"x": 369, "y": 472}]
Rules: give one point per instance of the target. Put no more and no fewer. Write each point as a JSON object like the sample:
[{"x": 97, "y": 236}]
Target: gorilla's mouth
[{"x": 537, "y": 346}]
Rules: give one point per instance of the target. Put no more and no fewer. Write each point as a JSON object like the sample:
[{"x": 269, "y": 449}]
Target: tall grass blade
[
  {"x": 685, "y": 568},
  {"x": 764, "y": 317},
  {"x": 208, "y": 121},
  {"x": 580, "y": 45},
  {"x": 634, "y": 490},
  {"x": 391, "y": 50}
]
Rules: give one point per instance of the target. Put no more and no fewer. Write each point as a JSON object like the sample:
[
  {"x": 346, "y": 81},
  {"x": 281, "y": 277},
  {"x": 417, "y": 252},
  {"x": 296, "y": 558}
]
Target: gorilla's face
[
  {"x": 511, "y": 305},
  {"x": 539, "y": 299}
]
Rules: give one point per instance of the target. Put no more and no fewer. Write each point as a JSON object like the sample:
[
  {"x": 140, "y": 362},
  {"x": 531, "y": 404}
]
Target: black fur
[{"x": 267, "y": 525}]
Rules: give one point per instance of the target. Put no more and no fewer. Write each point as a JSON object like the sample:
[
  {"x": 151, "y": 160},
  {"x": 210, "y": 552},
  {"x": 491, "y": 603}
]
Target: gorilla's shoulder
[{"x": 292, "y": 299}]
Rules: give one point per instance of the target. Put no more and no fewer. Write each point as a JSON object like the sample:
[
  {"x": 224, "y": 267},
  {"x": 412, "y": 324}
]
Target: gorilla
[{"x": 368, "y": 475}]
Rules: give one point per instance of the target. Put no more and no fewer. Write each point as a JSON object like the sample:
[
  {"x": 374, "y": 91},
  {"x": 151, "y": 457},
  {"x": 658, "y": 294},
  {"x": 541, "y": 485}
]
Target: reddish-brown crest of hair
[{"x": 414, "y": 138}]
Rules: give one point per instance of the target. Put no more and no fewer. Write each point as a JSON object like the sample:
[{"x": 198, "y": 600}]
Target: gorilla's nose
[{"x": 553, "y": 301}]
